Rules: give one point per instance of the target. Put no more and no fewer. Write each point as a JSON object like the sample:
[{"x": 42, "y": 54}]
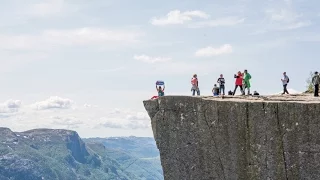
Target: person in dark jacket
[
  {"x": 316, "y": 82},
  {"x": 221, "y": 83}
]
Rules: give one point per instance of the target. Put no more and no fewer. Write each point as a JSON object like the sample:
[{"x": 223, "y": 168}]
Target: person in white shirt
[{"x": 285, "y": 82}]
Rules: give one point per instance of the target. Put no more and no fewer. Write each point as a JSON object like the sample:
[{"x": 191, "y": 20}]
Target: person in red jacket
[
  {"x": 195, "y": 85},
  {"x": 239, "y": 79}
]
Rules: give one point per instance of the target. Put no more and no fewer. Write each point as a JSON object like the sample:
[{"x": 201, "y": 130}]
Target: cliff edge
[{"x": 237, "y": 138}]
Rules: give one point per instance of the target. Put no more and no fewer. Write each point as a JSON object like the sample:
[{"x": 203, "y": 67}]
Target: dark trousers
[
  {"x": 235, "y": 89},
  {"x": 285, "y": 89},
  {"x": 316, "y": 90}
]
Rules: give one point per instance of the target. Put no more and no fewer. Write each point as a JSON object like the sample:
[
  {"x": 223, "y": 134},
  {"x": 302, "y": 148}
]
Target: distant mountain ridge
[{"x": 55, "y": 154}]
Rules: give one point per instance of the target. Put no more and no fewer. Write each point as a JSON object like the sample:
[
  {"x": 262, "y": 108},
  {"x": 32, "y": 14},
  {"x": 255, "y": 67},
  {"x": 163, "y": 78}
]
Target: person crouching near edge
[
  {"x": 215, "y": 90},
  {"x": 221, "y": 83},
  {"x": 316, "y": 82},
  {"x": 195, "y": 85},
  {"x": 160, "y": 90},
  {"x": 239, "y": 79}
]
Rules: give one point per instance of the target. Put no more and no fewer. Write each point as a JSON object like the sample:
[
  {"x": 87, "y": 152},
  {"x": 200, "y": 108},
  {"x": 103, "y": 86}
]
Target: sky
[{"x": 88, "y": 65}]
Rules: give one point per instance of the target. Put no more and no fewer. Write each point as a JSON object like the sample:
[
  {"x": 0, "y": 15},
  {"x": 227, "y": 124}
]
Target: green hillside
[{"x": 52, "y": 154}]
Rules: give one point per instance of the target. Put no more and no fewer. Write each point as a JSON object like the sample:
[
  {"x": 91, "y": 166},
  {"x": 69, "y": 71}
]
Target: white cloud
[
  {"x": 178, "y": 17},
  {"x": 124, "y": 119},
  {"x": 89, "y": 106},
  {"x": 49, "y": 39},
  {"x": 84, "y": 36},
  {"x": 123, "y": 124},
  {"x": 282, "y": 15},
  {"x": 138, "y": 116},
  {"x": 286, "y": 18},
  {"x": 9, "y": 108},
  {"x": 66, "y": 122},
  {"x": 296, "y": 25},
  {"x": 211, "y": 51},
  {"x": 116, "y": 111},
  {"x": 53, "y": 102},
  {"x": 228, "y": 21},
  {"x": 46, "y": 7},
  {"x": 148, "y": 59}
]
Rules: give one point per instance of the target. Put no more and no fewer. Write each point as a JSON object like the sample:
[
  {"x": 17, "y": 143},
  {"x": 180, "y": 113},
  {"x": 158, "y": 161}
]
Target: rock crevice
[{"x": 246, "y": 138}]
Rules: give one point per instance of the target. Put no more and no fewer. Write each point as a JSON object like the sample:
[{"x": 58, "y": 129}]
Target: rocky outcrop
[
  {"x": 53, "y": 154},
  {"x": 245, "y": 138}
]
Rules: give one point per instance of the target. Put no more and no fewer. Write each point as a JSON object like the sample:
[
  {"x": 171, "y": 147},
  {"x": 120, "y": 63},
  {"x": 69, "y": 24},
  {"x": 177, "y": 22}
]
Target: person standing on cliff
[
  {"x": 246, "y": 82},
  {"x": 285, "y": 82},
  {"x": 238, "y": 83},
  {"x": 195, "y": 85},
  {"x": 221, "y": 83},
  {"x": 316, "y": 82},
  {"x": 160, "y": 90}
]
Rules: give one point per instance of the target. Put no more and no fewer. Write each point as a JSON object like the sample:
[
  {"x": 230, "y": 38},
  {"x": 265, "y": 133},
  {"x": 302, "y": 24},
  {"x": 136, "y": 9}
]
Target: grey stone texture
[{"x": 237, "y": 137}]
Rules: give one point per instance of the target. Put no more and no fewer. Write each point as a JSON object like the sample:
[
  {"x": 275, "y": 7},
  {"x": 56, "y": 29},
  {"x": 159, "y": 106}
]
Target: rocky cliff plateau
[{"x": 237, "y": 137}]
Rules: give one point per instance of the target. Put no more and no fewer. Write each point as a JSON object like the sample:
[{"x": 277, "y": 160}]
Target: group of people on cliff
[{"x": 243, "y": 82}]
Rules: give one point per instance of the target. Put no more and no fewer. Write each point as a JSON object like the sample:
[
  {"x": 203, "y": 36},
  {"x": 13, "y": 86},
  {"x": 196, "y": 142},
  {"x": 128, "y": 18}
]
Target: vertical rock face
[{"x": 233, "y": 138}]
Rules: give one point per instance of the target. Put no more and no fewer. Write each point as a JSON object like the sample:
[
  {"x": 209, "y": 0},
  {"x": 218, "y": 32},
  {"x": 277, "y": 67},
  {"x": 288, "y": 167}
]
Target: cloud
[
  {"x": 138, "y": 116},
  {"x": 46, "y": 7},
  {"x": 178, "y": 17},
  {"x": 296, "y": 25},
  {"x": 211, "y": 51},
  {"x": 124, "y": 119},
  {"x": 123, "y": 124},
  {"x": 54, "y": 102},
  {"x": 286, "y": 18},
  {"x": 66, "y": 122},
  {"x": 148, "y": 59},
  {"x": 49, "y": 39},
  {"x": 89, "y": 106},
  {"x": 9, "y": 108},
  {"x": 90, "y": 35},
  {"x": 282, "y": 15},
  {"x": 228, "y": 21}
]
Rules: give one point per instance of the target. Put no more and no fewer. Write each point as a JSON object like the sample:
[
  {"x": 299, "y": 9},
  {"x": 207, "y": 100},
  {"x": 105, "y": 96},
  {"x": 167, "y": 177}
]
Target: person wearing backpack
[
  {"x": 285, "y": 82},
  {"x": 246, "y": 81},
  {"x": 316, "y": 82},
  {"x": 195, "y": 85}
]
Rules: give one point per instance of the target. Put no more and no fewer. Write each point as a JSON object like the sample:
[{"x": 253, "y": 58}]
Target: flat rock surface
[{"x": 237, "y": 137}]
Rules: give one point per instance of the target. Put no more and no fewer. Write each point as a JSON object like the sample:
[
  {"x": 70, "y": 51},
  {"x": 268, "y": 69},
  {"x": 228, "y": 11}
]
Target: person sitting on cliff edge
[
  {"x": 195, "y": 85},
  {"x": 215, "y": 90}
]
